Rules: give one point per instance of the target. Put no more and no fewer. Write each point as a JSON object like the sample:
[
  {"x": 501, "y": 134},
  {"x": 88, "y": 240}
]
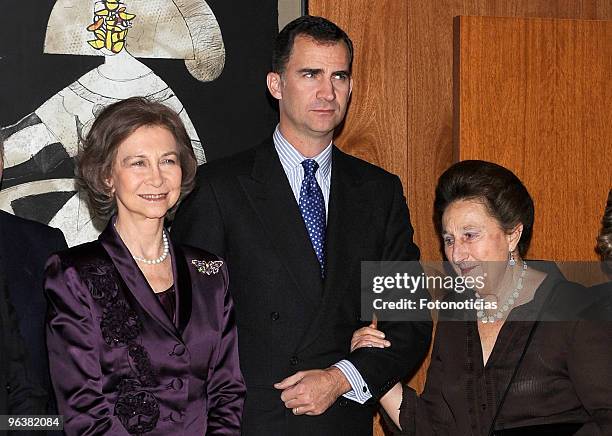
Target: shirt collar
[{"x": 291, "y": 158}]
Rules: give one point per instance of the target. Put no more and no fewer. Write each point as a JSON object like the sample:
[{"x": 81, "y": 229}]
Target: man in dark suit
[
  {"x": 19, "y": 395},
  {"x": 24, "y": 248},
  {"x": 294, "y": 217}
]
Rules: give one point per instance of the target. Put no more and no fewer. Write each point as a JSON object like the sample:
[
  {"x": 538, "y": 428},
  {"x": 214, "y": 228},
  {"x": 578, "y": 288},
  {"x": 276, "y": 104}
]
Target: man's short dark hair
[{"x": 319, "y": 29}]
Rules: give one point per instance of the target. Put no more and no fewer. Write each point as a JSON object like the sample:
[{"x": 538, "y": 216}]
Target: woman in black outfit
[{"x": 531, "y": 366}]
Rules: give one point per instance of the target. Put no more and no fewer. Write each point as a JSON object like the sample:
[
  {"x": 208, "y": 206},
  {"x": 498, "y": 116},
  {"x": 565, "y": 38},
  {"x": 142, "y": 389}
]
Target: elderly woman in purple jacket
[{"x": 141, "y": 332}]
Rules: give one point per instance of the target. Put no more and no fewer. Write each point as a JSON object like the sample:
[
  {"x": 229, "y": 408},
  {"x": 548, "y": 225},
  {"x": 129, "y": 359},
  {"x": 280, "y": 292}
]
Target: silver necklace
[{"x": 484, "y": 318}]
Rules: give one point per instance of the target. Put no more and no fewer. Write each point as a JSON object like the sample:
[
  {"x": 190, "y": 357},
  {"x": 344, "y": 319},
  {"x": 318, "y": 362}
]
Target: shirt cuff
[{"x": 359, "y": 392}]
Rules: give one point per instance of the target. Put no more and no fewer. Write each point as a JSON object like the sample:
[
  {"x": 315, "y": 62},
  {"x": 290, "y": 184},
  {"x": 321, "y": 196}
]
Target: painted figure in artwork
[{"x": 41, "y": 147}]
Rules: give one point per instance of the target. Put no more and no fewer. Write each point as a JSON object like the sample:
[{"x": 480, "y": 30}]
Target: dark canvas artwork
[{"x": 208, "y": 60}]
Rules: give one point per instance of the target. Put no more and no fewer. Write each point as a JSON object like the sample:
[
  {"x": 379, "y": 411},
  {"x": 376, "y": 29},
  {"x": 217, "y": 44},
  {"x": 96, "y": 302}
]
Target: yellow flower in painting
[{"x": 110, "y": 26}]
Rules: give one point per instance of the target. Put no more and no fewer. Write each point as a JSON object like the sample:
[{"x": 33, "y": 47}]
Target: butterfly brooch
[{"x": 208, "y": 268}]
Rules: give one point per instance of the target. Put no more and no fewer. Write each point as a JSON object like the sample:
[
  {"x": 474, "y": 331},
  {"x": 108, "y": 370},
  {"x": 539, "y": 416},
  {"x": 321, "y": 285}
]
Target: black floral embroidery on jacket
[
  {"x": 101, "y": 280},
  {"x": 146, "y": 373},
  {"x": 136, "y": 408},
  {"x": 120, "y": 325}
]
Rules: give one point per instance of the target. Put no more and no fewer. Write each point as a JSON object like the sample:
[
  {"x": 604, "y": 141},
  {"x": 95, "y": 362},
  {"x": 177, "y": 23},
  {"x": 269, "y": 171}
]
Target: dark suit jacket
[
  {"x": 24, "y": 247},
  {"x": 288, "y": 318},
  {"x": 19, "y": 395},
  {"x": 119, "y": 363}
]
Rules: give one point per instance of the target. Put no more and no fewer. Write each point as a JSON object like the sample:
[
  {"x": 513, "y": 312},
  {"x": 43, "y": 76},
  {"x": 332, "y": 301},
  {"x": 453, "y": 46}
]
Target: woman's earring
[{"x": 511, "y": 260}]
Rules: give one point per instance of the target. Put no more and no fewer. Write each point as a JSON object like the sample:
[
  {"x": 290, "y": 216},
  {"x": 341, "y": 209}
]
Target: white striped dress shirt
[{"x": 291, "y": 160}]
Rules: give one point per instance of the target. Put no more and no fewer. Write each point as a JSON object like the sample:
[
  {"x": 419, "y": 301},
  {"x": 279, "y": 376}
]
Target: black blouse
[
  {"x": 167, "y": 299},
  {"x": 565, "y": 376}
]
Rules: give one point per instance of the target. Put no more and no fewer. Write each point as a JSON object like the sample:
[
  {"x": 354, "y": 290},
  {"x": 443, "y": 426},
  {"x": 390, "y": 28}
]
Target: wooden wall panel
[
  {"x": 375, "y": 127},
  {"x": 404, "y": 49},
  {"x": 535, "y": 95},
  {"x": 430, "y": 90}
]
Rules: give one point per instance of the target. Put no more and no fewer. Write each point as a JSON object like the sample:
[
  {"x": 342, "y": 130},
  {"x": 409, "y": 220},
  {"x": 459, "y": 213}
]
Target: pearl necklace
[
  {"x": 161, "y": 258},
  {"x": 484, "y": 318}
]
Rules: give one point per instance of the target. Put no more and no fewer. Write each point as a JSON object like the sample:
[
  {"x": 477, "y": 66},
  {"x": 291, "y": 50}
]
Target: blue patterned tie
[{"x": 312, "y": 207}]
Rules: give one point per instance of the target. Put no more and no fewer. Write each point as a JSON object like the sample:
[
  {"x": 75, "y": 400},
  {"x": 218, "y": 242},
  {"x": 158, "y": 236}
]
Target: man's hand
[{"x": 312, "y": 392}]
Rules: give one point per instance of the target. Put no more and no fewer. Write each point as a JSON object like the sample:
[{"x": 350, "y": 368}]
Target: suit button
[
  {"x": 294, "y": 361},
  {"x": 274, "y": 316},
  {"x": 178, "y": 350},
  {"x": 343, "y": 402},
  {"x": 177, "y": 384}
]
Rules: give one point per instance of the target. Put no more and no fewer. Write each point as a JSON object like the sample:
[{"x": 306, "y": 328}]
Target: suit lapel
[
  {"x": 133, "y": 277},
  {"x": 347, "y": 218},
  {"x": 348, "y": 215},
  {"x": 270, "y": 195}
]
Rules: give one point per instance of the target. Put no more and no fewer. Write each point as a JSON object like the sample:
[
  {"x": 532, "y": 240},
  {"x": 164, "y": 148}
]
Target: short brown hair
[
  {"x": 113, "y": 126},
  {"x": 604, "y": 240}
]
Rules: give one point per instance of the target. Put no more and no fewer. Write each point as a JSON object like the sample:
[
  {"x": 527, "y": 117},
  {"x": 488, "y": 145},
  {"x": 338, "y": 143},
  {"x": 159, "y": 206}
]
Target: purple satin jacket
[{"x": 120, "y": 365}]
